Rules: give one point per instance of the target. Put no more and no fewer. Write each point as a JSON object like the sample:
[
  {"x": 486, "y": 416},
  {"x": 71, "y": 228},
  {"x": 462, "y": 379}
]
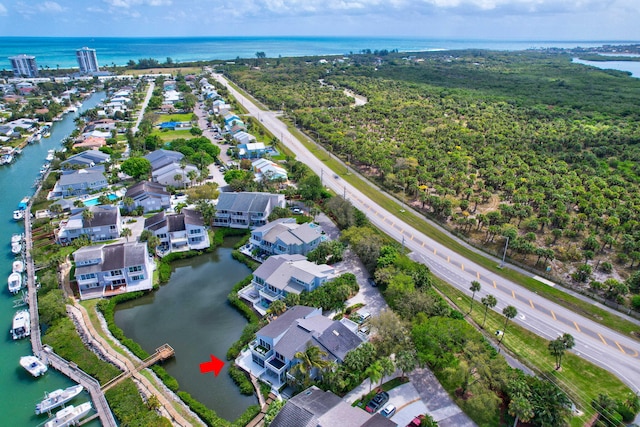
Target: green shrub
[
  {"x": 128, "y": 407},
  {"x": 240, "y": 379},
  {"x": 251, "y": 412}
]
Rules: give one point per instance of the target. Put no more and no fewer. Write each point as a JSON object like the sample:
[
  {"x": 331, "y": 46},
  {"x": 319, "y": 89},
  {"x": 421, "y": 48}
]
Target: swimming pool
[{"x": 94, "y": 200}]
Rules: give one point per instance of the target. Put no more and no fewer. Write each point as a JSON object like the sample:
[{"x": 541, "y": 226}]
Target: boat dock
[
  {"x": 163, "y": 352},
  {"x": 45, "y": 353}
]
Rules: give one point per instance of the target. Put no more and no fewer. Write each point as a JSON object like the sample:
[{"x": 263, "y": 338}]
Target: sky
[{"x": 607, "y": 20}]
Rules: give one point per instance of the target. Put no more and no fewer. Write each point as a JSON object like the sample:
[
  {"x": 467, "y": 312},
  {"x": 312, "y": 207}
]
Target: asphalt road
[{"x": 594, "y": 342}]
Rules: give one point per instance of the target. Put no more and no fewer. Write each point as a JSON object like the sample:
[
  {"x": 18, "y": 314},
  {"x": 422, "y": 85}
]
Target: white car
[{"x": 388, "y": 411}]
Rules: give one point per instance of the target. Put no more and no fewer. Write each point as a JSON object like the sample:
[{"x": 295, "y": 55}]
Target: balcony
[
  {"x": 260, "y": 351},
  {"x": 87, "y": 282},
  {"x": 276, "y": 366}
]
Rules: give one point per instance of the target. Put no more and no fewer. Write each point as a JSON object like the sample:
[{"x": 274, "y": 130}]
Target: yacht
[
  {"x": 18, "y": 215},
  {"x": 46, "y": 131},
  {"x": 21, "y": 327},
  {"x": 18, "y": 266},
  {"x": 23, "y": 203},
  {"x": 69, "y": 416},
  {"x": 50, "y": 155},
  {"x": 16, "y": 248},
  {"x": 16, "y": 238},
  {"x": 33, "y": 365},
  {"x": 15, "y": 283},
  {"x": 57, "y": 398}
]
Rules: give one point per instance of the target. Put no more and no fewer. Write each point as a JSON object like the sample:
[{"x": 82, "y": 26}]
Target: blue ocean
[{"x": 59, "y": 52}]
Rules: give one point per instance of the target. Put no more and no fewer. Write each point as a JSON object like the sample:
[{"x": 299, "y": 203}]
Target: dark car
[
  {"x": 371, "y": 282},
  {"x": 377, "y": 402}
]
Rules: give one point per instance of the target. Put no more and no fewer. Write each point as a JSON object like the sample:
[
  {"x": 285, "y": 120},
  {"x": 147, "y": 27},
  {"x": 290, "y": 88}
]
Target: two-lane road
[{"x": 602, "y": 346}]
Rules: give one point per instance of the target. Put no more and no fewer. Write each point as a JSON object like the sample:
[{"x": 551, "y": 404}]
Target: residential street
[{"x": 603, "y": 346}]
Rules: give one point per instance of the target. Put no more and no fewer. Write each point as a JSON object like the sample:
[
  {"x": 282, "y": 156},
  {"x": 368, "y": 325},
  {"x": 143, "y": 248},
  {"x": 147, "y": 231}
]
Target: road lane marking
[
  {"x": 577, "y": 327},
  {"x": 620, "y": 347},
  {"x": 513, "y": 294},
  {"x": 495, "y": 286},
  {"x": 602, "y": 338},
  {"x": 553, "y": 315},
  {"x": 448, "y": 259},
  {"x": 462, "y": 266},
  {"x": 531, "y": 303},
  {"x": 423, "y": 244},
  {"x": 478, "y": 275},
  {"x": 412, "y": 237}
]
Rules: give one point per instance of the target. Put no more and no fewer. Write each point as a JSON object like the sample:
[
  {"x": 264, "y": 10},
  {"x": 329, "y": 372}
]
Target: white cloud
[
  {"x": 126, "y": 4},
  {"x": 3, "y": 10},
  {"x": 50, "y": 7}
]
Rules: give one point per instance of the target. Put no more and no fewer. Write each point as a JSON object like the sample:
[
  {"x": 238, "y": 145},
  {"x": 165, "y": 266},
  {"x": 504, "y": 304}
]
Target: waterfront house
[
  {"x": 105, "y": 225},
  {"x": 178, "y": 232},
  {"x": 281, "y": 275},
  {"x": 317, "y": 408},
  {"x": 107, "y": 270},
  {"x": 79, "y": 182},
  {"x": 273, "y": 351},
  {"x": 151, "y": 196},
  {"x": 267, "y": 170},
  {"x": 86, "y": 158},
  {"x": 285, "y": 236},
  {"x": 246, "y": 209}
]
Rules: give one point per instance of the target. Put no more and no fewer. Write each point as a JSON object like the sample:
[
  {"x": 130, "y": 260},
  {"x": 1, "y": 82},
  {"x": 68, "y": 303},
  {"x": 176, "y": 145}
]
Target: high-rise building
[
  {"x": 87, "y": 60},
  {"x": 24, "y": 66}
]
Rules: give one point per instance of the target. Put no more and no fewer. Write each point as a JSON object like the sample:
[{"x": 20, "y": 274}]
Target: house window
[
  {"x": 162, "y": 236},
  {"x": 135, "y": 268},
  {"x": 119, "y": 282},
  {"x": 138, "y": 277},
  {"x": 115, "y": 272},
  {"x": 112, "y": 227},
  {"x": 87, "y": 276},
  {"x": 195, "y": 231}
]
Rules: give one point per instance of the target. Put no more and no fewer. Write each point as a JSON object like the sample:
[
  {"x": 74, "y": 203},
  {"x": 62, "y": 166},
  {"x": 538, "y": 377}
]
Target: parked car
[
  {"x": 388, "y": 411},
  {"x": 416, "y": 422},
  {"x": 372, "y": 282},
  {"x": 297, "y": 211},
  {"x": 377, "y": 402}
]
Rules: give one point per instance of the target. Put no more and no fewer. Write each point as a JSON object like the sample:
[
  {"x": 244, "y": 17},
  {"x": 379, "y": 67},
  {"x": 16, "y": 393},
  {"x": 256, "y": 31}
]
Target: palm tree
[
  {"x": 374, "y": 372},
  {"x": 177, "y": 177},
  {"x": 128, "y": 202},
  {"x": 126, "y": 232},
  {"x": 521, "y": 408},
  {"x": 475, "y": 287},
  {"x": 558, "y": 347},
  {"x": 277, "y": 307},
  {"x": 310, "y": 359},
  {"x": 87, "y": 215},
  {"x": 509, "y": 313},
  {"x": 489, "y": 302},
  {"x": 192, "y": 175}
]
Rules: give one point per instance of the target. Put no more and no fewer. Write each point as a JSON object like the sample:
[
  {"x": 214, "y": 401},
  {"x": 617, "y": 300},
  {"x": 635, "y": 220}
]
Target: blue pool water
[{"x": 94, "y": 201}]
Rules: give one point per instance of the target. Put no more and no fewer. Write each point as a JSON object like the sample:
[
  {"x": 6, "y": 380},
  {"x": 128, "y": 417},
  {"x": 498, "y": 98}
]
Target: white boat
[
  {"x": 15, "y": 282},
  {"x": 49, "y": 157},
  {"x": 69, "y": 416},
  {"x": 18, "y": 215},
  {"x": 57, "y": 398},
  {"x": 16, "y": 238},
  {"x": 18, "y": 266},
  {"x": 33, "y": 365},
  {"x": 21, "y": 327},
  {"x": 16, "y": 248}
]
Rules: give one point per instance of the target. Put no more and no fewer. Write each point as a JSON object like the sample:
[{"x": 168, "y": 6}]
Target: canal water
[
  {"x": 632, "y": 67},
  {"x": 20, "y": 392},
  {"x": 191, "y": 313}
]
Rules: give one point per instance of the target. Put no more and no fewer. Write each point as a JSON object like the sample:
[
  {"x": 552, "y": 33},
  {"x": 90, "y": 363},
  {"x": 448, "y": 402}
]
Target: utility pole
[
  {"x": 504, "y": 255},
  {"x": 344, "y": 194},
  {"x": 321, "y": 177}
]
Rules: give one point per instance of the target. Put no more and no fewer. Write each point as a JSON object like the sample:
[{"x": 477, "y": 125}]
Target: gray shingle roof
[
  {"x": 193, "y": 217},
  {"x": 94, "y": 174},
  {"x": 154, "y": 222},
  {"x": 245, "y": 202},
  {"x": 114, "y": 256},
  {"x": 87, "y": 157},
  {"x": 285, "y": 320},
  {"x": 175, "y": 222},
  {"x": 102, "y": 215},
  {"x": 146, "y": 187},
  {"x": 160, "y": 158},
  {"x": 338, "y": 340}
]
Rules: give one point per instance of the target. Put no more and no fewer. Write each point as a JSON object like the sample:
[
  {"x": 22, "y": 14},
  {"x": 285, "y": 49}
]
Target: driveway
[{"x": 438, "y": 402}]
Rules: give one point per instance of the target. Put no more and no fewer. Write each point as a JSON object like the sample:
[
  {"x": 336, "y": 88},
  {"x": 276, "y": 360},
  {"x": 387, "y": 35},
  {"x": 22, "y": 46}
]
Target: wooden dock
[
  {"x": 162, "y": 353},
  {"x": 45, "y": 353}
]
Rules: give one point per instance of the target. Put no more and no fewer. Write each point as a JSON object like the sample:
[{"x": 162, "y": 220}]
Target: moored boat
[
  {"x": 18, "y": 266},
  {"x": 57, "y": 398},
  {"x": 23, "y": 203},
  {"x": 21, "y": 327},
  {"x": 18, "y": 215},
  {"x": 16, "y": 238},
  {"x": 15, "y": 282},
  {"x": 69, "y": 415},
  {"x": 33, "y": 365}
]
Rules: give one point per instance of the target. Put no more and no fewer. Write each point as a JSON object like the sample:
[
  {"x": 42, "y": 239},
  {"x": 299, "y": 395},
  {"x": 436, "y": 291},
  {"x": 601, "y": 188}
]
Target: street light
[{"x": 504, "y": 255}]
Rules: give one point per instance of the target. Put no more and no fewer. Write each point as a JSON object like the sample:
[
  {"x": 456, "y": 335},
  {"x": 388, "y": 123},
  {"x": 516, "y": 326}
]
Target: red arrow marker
[{"x": 214, "y": 365}]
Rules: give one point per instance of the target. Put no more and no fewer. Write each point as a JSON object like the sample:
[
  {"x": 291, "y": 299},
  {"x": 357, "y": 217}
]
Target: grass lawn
[
  {"x": 170, "y": 135},
  {"x": 580, "y": 379},
  {"x": 182, "y": 117}
]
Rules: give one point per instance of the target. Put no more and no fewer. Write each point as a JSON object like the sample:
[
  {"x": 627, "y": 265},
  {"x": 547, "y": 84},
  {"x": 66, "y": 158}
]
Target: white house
[
  {"x": 80, "y": 182},
  {"x": 178, "y": 232},
  {"x": 108, "y": 270},
  {"x": 246, "y": 209},
  {"x": 268, "y": 170},
  {"x": 105, "y": 225},
  {"x": 285, "y": 236}
]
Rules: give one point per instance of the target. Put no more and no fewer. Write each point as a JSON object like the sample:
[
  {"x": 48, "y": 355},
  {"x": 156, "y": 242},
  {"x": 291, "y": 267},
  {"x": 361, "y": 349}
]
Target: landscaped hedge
[
  {"x": 254, "y": 321},
  {"x": 128, "y": 407},
  {"x": 209, "y": 416},
  {"x": 240, "y": 379}
]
